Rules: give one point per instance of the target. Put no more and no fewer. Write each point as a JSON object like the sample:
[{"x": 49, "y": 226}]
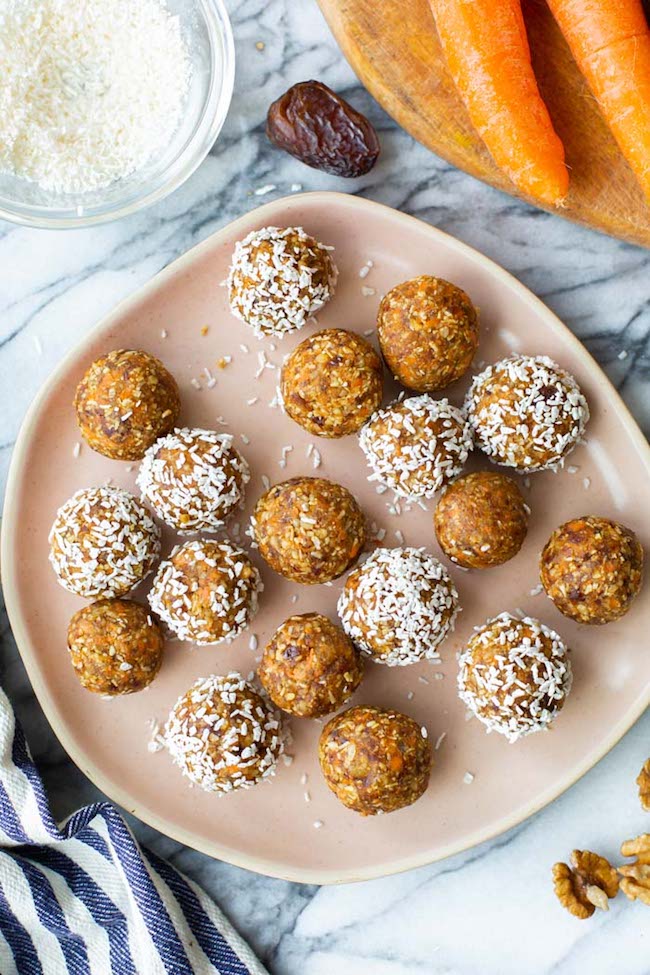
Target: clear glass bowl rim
[{"x": 210, "y": 124}]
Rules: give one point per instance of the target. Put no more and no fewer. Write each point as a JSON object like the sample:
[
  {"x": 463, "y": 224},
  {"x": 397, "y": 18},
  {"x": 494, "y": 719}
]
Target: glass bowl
[{"x": 206, "y": 28}]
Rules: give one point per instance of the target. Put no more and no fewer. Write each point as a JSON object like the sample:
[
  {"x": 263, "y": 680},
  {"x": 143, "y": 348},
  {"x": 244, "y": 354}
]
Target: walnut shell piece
[
  {"x": 125, "y": 401},
  {"x": 375, "y": 760},
  {"x": 635, "y": 882},
  {"x": 643, "y": 782},
  {"x": 428, "y": 331},
  {"x": 332, "y": 383},
  {"x": 310, "y": 667},
  {"x": 592, "y": 569},
  {"x": 481, "y": 520},
  {"x": 115, "y": 646},
  {"x": 309, "y": 529},
  {"x": 591, "y": 882}
]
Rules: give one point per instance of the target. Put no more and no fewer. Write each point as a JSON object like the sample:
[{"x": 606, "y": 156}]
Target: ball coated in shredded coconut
[
  {"x": 103, "y": 542},
  {"x": 399, "y": 606},
  {"x": 223, "y": 735},
  {"x": 193, "y": 479},
  {"x": 416, "y": 445},
  {"x": 526, "y": 412},
  {"x": 206, "y": 591},
  {"x": 279, "y": 279},
  {"x": 514, "y": 675}
]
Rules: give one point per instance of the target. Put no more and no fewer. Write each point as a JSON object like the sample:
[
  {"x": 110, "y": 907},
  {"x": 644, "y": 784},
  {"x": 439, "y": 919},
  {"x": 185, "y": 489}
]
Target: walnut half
[
  {"x": 643, "y": 782},
  {"x": 636, "y": 876},
  {"x": 590, "y": 884}
]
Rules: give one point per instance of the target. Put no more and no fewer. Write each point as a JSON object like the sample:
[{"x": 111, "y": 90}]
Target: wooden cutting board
[{"x": 393, "y": 47}]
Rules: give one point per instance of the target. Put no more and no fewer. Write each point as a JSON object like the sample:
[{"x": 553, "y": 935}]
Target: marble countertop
[{"x": 490, "y": 910}]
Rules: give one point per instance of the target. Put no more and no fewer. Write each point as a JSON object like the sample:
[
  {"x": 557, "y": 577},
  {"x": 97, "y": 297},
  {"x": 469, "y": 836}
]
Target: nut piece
[
  {"x": 428, "y": 332},
  {"x": 318, "y": 127},
  {"x": 643, "y": 782},
  {"x": 590, "y": 884},
  {"x": 636, "y": 876}
]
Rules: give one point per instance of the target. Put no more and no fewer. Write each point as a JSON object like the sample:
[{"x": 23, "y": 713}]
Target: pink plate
[{"x": 271, "y": 828}]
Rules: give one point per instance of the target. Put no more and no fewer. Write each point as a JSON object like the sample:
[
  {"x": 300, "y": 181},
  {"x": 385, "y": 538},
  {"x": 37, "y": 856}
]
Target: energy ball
[
  {"x": 592, "y": 569},
  {"x": 375, "y": 760},
  {"x": 526, "y": 412},
  {"x": 279, "y": 279},
  {"x": 193, "y": 479},
  {"x": 399, "y": 606},
  {"x": 207, "y": 591},
  {"x": 310, "y": 667},
  {"x": 428, "y": 332},
  {"x": 115, "y": 647},
  {"x": 481, "y": 520},
  {"x": 103, "y": 543},
  {"x": 309, "y": 529},
  {"x": 514, "y": 675},
  {"x": 223, "y": 735},
  {"x": 125, "y": 401},
  {"x": 332, "y": 383},
  {"x": 416, "y": 445}
]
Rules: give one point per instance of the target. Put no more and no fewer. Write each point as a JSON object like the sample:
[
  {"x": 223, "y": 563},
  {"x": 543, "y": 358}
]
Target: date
[{"x": 317, "y": 126}]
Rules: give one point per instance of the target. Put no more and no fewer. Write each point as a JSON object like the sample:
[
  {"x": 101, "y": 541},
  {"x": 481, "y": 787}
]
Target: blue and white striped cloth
[{"x": 84, "y": 898}]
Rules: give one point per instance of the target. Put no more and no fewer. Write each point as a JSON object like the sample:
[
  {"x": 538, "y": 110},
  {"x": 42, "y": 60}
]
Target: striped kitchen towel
[{"x": 83, "y": 898}]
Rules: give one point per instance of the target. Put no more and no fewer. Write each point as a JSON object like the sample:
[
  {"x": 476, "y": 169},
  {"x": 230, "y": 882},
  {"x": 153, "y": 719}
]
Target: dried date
[{"x": 317, "y": 126}]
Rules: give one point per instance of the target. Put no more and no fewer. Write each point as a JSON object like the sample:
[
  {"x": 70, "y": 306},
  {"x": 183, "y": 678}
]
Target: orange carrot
[
  {"x": 610, "y": 41},
  {"x": 486, "y": 48}
]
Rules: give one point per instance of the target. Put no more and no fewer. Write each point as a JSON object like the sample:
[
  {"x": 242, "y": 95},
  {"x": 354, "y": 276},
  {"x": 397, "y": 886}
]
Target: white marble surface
[{"x": 489, "y": 911}]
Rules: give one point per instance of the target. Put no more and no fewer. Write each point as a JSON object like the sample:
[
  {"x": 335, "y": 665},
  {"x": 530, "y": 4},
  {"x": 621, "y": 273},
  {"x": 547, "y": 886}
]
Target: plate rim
[{"x": 274, "y": 868}]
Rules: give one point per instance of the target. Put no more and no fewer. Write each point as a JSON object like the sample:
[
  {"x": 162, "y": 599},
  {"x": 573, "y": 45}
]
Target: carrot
[
  {"x": 610, "y": 41},
  {"x": 486, "y": 48}
]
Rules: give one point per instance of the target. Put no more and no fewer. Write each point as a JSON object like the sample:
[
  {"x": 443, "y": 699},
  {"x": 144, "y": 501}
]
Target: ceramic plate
[{"x": 271, "y": 828}]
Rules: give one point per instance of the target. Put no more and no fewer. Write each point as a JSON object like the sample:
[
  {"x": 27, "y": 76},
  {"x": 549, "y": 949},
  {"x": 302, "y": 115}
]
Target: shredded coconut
[{"x": 90, "y": 92}]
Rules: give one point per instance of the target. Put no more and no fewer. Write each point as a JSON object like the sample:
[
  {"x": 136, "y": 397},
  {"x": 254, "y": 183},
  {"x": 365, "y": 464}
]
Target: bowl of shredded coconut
[{"x": 106, "y": 106}]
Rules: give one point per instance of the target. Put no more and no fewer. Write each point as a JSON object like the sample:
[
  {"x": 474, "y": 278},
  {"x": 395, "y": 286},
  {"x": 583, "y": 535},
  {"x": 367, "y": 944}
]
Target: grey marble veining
[{"x": 491, "y": 910}]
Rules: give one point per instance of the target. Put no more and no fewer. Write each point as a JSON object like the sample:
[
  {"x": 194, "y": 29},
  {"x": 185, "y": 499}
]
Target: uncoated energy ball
[
  {"x": 332, "y": 383},
  {"x": 428, "y": 332},
  {"x": 309, "y": 529},
  {"x": 481, "y": 520},
  {"x": 375, "y": 760},
  {"x": 125, "y": 401},
  {"x": 592, "y": 569},
  {"x": 115, "y": 646},
  {"x": 310, "y": 667}
]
